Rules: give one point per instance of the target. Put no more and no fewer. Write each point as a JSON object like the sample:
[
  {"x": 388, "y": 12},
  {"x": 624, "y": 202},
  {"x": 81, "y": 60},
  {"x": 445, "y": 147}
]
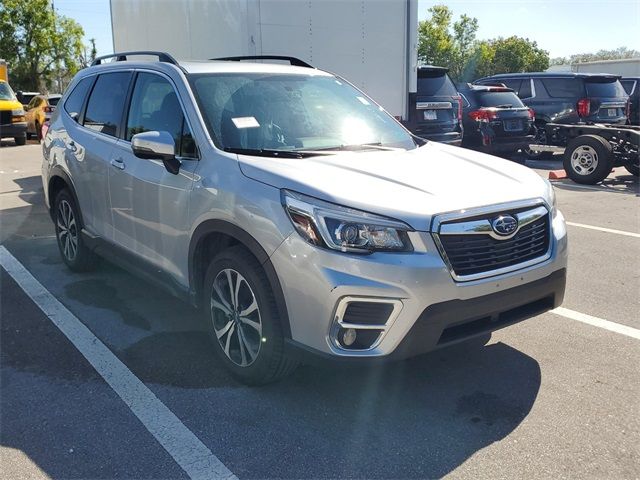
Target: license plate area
[
  {"x": 512, "y": 125},
  {"x": 612, "y": 112},
  {"x": 430, "y": 115}
]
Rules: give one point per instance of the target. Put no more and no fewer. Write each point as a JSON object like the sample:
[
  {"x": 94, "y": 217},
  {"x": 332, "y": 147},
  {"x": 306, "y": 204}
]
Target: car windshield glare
[
  {"x": 265, "y": 111},
  {"x": 5, "y": 92}
]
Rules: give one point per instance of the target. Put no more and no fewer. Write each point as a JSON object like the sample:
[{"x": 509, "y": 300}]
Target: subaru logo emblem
[{"x": 504, "y": 225}]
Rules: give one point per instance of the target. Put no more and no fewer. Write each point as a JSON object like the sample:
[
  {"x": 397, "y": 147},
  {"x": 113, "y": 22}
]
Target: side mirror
[{"x": 156, "y": 146}]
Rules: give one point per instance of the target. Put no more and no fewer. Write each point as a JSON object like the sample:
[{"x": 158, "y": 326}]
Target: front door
[{"x": 149, "y": 205}]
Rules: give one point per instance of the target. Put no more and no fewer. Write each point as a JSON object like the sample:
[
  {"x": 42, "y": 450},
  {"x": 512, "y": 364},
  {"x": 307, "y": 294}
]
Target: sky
[{"x": 562, "y": 27}]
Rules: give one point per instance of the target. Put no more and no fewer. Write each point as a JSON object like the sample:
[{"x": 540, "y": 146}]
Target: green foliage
[
  {"x": 616, "y": 54},
  {"x": 454, "y": 45},
  {"x": 43, "y": 49}
]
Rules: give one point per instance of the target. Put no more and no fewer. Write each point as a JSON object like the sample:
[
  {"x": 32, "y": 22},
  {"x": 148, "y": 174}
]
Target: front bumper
[
  {"x": 13, "y": 130},
  {"x": 435, "y": 310}
]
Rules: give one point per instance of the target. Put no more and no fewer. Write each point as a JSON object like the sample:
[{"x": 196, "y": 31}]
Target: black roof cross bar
[
  {"x": 296, "y": 62},
  {"x": 122, "y": 57}
]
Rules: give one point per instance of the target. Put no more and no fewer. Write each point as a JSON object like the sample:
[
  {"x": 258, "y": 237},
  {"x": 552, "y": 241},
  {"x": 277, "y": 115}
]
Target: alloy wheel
[
  {"x": 67, "y": 230},
  {"x": 236, "y": 317}
]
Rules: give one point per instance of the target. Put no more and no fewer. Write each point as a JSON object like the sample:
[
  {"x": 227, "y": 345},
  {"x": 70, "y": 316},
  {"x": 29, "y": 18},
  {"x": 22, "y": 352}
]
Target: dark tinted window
[
  {"x": 435, "y": 83},
  {"x": 54, "y": 101},
  {"x": 628, "y": 85},
  {"x": 563, "y": 87},
  {"x": 525, "y": 89},
  {"x": 155, "y": 106},
  {"x": 598, "y": 88},
  {"x": 497, "y": 99},
  {"x": 104, "y": 110},
  {"x": 74, "y": 101}
]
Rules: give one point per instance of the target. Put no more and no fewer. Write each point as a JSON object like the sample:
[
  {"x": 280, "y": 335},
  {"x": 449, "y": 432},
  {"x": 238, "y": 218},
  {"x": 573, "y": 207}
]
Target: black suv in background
[
  {"x": 632, "y": 87},
  {"x": 495, "y": 120},
  {"x": 435, "y": 111},
  {"x": 569, "y": 98}
]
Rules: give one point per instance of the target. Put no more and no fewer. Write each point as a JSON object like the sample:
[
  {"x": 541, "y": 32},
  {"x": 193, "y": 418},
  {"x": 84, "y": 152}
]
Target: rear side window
[
  {"x": 74, "y": 102},
  {"x": 563, "y": 87},
  {"x": 435, "y": 84},
  {"x": 54, "y": 101},
  {"x": 499, "y": 99},
  {"x": 104, "y": 110},
  {"x": 628, "y": 86},
  {"x": 155, "y": 107},
  {"x": 600, "y": 88}
]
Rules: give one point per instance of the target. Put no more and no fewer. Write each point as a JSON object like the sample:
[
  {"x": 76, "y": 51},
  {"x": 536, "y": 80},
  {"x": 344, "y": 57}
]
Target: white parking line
[
  {"x": 598, "y": 322},
  {"x": 602, "y": 229},
  {"x": 180, "y": 442}
]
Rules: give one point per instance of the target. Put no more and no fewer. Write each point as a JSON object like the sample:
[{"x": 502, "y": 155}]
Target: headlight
[
  {"x": 550, "y": 197},
  {"x": 340, "y": 228}
]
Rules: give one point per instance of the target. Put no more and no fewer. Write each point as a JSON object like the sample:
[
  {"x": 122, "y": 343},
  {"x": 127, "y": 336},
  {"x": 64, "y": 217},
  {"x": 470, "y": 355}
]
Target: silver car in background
[{"x": 299, "y": 216}]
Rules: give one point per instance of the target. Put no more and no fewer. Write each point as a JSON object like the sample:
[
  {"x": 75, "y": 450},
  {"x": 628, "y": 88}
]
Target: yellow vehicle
[
  {"x": 12, "y": 116},
  {"x": 39, "y": 111}
]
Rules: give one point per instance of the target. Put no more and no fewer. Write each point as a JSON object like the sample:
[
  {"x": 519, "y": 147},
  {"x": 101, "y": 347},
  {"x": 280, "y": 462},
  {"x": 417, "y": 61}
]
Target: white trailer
[{"x": 371, "y": 43}]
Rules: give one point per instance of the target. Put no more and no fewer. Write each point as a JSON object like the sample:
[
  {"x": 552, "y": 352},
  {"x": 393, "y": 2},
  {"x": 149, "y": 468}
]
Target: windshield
[
  {"x": 499, "y": 99},
  {"x": 5, "y": 92},
  {"x": 249, "y": 111}
]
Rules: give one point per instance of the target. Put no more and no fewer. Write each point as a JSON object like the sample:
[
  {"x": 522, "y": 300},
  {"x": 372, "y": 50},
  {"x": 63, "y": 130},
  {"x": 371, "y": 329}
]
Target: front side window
[
  {"x": 104, "y": 110},
  {"x": 292, "y": 112},
  {"x": 75, "y": 100},
  {"x": 155, "y": 107}
]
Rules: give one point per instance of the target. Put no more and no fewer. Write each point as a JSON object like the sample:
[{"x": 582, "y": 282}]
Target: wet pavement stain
[
  {"x": 489, "y": 409},
  {"x": 98, "y": 293}
]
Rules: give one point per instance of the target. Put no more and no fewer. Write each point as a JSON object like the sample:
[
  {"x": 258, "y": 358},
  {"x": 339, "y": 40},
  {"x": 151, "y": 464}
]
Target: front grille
[
  {"x": 478, "y": 253},
  {"x": 5, "y": 117}
]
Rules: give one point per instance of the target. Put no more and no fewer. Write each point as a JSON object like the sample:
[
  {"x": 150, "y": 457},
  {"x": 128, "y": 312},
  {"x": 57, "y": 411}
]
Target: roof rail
[
  {"x": 122, "y": 57},
  {"x": 296, "y": 62}
]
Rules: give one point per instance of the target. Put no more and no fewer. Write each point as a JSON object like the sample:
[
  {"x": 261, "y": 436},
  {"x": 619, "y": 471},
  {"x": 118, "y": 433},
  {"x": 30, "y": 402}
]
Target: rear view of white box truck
[{"x": 371, "y": 43}]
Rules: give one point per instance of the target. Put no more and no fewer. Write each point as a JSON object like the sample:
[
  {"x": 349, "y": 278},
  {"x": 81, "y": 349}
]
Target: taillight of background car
[
  {"x": 486, "y": 114},
  {"x": 584, "y": 107},
  {"x": 49, "y": 109},
  {"x": 532, "y": 114}
]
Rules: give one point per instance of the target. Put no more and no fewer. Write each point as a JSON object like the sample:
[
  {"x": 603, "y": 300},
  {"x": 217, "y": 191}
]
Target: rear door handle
[{"x": 118, "y": 163}]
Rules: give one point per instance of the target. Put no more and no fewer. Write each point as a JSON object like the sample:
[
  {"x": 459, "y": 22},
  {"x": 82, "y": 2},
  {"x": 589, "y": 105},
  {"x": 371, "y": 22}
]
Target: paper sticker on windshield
[
  {"x": 245, "y": 122},
  {"x": 363, "y": 101}
]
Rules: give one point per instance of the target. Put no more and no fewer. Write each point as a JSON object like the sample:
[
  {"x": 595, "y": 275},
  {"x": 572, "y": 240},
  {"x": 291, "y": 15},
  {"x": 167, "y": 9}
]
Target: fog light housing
[{"x": 349, "y": 337}]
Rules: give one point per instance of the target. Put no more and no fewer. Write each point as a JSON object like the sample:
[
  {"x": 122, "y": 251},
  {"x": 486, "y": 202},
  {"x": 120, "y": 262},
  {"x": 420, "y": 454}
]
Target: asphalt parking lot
[{"x": 556, "y": 396}]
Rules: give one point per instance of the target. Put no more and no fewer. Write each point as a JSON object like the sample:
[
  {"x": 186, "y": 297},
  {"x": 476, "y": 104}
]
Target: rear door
[
  {"x": 150, "y": 205},
  {"x": 608, "y": 99},
  {"x": 435, "y": 109}
]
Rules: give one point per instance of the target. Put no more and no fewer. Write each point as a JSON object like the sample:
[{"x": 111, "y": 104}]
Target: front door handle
[{"x": 118, "y": 163}]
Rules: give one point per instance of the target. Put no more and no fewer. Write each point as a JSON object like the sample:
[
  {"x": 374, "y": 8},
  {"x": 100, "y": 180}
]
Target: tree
[
  {"x": 616, "y": 54},
  {"x": 40, "y": 45},
  {"x": 445, "y": 44},
  {"x": 516, "y": 54}
]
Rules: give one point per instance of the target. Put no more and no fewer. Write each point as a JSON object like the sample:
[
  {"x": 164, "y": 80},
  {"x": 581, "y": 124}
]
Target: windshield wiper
[
  {"x": 354, "y": 147},
  {"x": 265, "y": 152}
]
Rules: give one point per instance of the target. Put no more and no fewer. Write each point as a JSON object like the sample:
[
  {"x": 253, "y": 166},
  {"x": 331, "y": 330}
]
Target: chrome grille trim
[{"x": 478, "y": 228}]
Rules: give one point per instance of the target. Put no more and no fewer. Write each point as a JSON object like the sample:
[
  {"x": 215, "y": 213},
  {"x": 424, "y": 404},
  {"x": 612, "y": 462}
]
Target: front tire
[
  {"x": 243, "y": 320},
  {"x": 74, "y": 252},
  {"x": 588, "y": 159}
]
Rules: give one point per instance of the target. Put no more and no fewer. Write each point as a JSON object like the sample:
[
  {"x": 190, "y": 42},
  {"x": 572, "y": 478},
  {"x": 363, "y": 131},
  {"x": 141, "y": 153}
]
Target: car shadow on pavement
[{"x": 619, "y": 183}]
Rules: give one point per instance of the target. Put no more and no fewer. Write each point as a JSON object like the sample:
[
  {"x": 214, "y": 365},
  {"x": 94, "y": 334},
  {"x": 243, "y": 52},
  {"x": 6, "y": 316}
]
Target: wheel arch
[
  {"x": 59, "y": 180},
  {"x": 211, "y": 237}
]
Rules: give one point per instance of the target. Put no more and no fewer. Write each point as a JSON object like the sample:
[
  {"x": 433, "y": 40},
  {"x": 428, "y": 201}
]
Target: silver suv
[{"x": 299, "y": 216}]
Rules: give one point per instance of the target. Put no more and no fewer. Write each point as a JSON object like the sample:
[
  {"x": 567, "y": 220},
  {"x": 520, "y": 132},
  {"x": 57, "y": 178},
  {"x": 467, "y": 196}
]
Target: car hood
[{"x": 411, "y": 186}]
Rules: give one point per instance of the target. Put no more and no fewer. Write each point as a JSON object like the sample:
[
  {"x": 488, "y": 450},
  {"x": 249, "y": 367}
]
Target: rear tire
[
  {"x": 242, "y": 318},
  {"x": 21, "y": 140},
  {"x": 74, "y": 252},
  {"x": 588, "y": 159},
  {"x": 633, "y": 169}
]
